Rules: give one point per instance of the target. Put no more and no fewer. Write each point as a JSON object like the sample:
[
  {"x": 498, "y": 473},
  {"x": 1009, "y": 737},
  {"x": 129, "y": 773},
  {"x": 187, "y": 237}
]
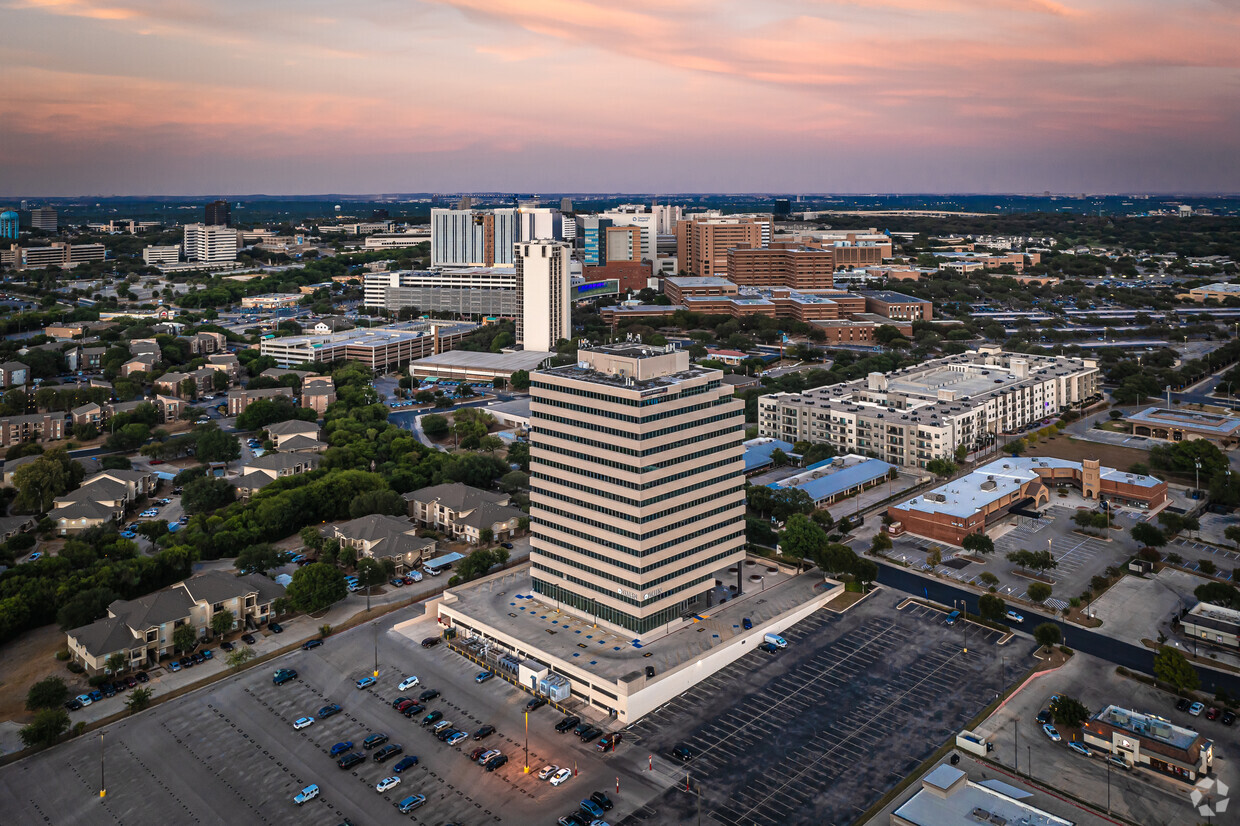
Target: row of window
[
  {"x": 719, "y": 557},
  {"x": 595, "y": 507},
  {"x": 606, "y": 613},
  {"x": 622, "y": 597},
  {"x": 647, "y": 485},
  {"x": 593, "y": 425},
  {"x": 622, "y": 500},
  {"x": 625, "y": 400},
  {"x": 666, "y": 463},
  {"x": 623, "y": 548},
  {"x": 628, "y": 451},
  {"x": 636, "y": 536},
  {"x": 596, "y": 412}
]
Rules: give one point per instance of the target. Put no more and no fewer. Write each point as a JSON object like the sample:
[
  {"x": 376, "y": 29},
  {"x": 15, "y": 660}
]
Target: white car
[
  {"x": 408, "y": 683},
  {"x": 1050, "y": 732},
  {"x": 547, "y": 772},
  {"x": 1012, "y": 616},
  {"x": 308, "y": 793},
  {"x": 561, "y": 776},
  {"x": 1196, "y": 708},
  {"x": 302, "y": 722},
  {"x": 84, "y": 699},
  {"x": 459, "y": 737},
  {"x": 387, "y": 783}
]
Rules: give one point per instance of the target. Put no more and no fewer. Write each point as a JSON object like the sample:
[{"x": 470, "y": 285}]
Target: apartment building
[
  {"x": 263, "y": 470},
  {"x": 379, "y": 536},
  {"x": 239, "y": 400},
  {"x": 636, "y": 484},
  {"x": 897, "y": 305},
  {"x": 464, "y": 512},
  {"x": 35, "y": 427},
  {"x": 14, "y": 374},
  {"x": 543, "y": 281},
  {"x": 916, "y": 414}
]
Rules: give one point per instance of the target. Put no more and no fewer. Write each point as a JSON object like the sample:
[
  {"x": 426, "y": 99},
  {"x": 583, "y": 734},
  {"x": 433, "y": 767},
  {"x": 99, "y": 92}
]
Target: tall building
[
  {"x": 796, "y": 267},
  {"x": 539, "y": 223},
  {"x": 543, "y": 282},
  {"x": 646, "y": 221},
  {"x": 218, "y": 214},
  {"x": 473, "y": 238},
  {"x": 636, "y": 484},
  {"x": 466, "y": 290},
  {"x": 702, "y": 244},
  {"x": 44, "y": 218},
  {"x": 10, "y": 223},
  {"x": 210, "y": 244},
  {"x": 566, "y": 205},
  {"x": 594, "y": 236}
]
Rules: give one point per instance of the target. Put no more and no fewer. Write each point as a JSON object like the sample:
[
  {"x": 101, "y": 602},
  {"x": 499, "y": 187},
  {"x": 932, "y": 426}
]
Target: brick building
[{"x": 783, "y": 265}]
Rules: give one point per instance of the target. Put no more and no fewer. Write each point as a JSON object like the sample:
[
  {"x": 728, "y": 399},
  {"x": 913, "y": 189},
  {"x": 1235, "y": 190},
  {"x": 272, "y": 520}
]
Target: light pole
[
  {"x": 376, "y": 675},
  {"x": 527, "y": 742},
  {"x": 103, "y": 787},
  {"x": 1197, "y": 471}
]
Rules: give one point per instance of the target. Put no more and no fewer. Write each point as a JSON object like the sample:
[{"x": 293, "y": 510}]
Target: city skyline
[{"x": 137, "y": 97}]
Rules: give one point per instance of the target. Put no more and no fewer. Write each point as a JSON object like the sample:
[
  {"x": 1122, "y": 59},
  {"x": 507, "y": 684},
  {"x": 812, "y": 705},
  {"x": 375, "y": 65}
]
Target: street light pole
[
  {"x": 527, "y": 742},
  {"x": 376, "y": 652},
  {"x": 103, "y": 787}
]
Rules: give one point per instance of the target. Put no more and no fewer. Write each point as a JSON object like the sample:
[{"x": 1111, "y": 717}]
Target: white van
[
  {"x": 775, "y": 640},
  {"x": 432, "y": 571}
]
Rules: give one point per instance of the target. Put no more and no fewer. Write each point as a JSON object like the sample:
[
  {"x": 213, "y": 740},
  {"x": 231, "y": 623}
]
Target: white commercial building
[
  {"x": 647, "y": 222},
  {"x": 487, "y": 291},
  {"x": 472, "y": 238},
  {"x": 210, "y": 243},
  {"x": 543, "y": 294},
  {"x": 161, "y": 255}
]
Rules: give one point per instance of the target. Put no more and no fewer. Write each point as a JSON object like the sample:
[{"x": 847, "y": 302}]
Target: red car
[
  {"x": 156, "y": 462},
  {"x": 1212, "y": 714}
]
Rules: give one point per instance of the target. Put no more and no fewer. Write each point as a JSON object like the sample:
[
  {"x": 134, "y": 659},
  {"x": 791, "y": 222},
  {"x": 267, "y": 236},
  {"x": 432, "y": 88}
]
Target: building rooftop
[
  {"x": 514, "y": 361},
  {"x": 758, "y": 452},
  {"x": 948, "y": 798},
  {"x": 1206, "y": 422},
  {"x": 700, "y": 281},
  {"x": 1148, "y": 726},
  {"x": 834, "y": 476},
  {"x": 892, "y": 297},
  {"x": 1218, "y": 287}
]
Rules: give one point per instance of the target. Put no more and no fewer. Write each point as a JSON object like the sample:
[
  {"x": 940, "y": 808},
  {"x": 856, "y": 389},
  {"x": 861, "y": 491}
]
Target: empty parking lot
[{"x": 816, "y": 733}]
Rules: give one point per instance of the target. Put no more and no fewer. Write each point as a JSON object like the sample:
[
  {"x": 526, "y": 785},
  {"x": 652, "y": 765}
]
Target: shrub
[
  {"x": 63, "y": 655},
  {"x": 76, "y": 668},
  {"x": 1065, "y": 650}
]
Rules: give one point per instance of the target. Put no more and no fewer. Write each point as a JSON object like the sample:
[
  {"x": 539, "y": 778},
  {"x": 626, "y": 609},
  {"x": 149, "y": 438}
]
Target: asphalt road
[{"x": 1110, "y": 649}]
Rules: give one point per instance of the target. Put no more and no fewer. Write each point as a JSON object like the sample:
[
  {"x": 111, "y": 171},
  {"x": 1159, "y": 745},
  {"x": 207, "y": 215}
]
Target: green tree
[
  {"x": 1148, "y": 536},
  {"x": 46, "y": 727},
  {"x": 115, "y": 662},
  {"x": 214, "y": 445},
  {"x": 49, "y": 692},
  {"x": 434, "y": 425},
  {"x": 184, "y": 638},
  {"x": 991, "y": 607},
  {"x": 1039, "y": 592},
  {"x": 206, "y": 494},
  {"x": 520, "y": 380},
  {"x": 1171, "y": 667},
  {"x": 219, "y": 381},
  {"x": 1069, "y": 711},
  {"x": 86, "y": 606},
  {"x": 222, "y": 622},
  {"x": 311, "y": 538},
  {"x": 801, "y": 538},
  {"x": 1225, "y": 487},
  {"x": 387, "y": 502},
  {"x": 316, "y": 586},
  {"x": 989, "y": 579},
  {"x": 881, "y": 543},
  {"x": 941, "y": 467},
  {"x": 1047, "y": 635},
  {"x": 239, "y": 657},
  {"x": 1039, "y": 561},
  {"x": 370, "y": 572},
  {"x": 978, "y": 543},
  {"x": 1232, "y": 532},
  {"x": 40, "y": 481},
  {"x": 139, "y": 699},
  {"x": 1218, "y": 593},
  {"x": 259, "y": 559}
]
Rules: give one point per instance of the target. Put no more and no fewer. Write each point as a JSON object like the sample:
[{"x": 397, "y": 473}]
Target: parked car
[
  {"x": 308, "y": 644},
  {"x": 547, "y": 771},
  {"x": 769, "y": 647},
  {"x": 227, "y": 646},
  {"x": 302, "y": 722},
  {"x": 1229, "y": 717},
  {"x": 1080, "y": 748},
  {"x": 248, "y": 639},
  {"x": 432, "y": 718},
  {"x": 374, "y": 740},
  {"x": 109, "y": 691},
  {"x": 1196, "y": 708},
  {"x": 535, "y": 704},
  {"x": 328, "y": 710},
  {"x": 478, "y": 752},
  {"x": 496, "y": 762},
  {"x": 73, "y": 705},
  {"x": 485, "y": 731},
  {"x": 590, "y": 734},
  {"x": 405, "y": 763},
  {"x": 487, "y": 755},
  {"x": 174, "y": 666},
  {"x": 483, "y": 676},
  {"x": 428, "y": 695},
  {"x": 1044, "y": 716},
  {"x": 1182, "y": 704},
  {"x": 410, "y": 803},
  {"x": 456, "y": 738},
  {"x": 96, "y": 696},
  {"x": 602, "y": 800},
  {"x": 1050, "y": 732},
  {"x": 440, "y": 725},
  {"x": 567, "y": 723},
  {"x": 416, "y": 708},
  {"x": 402, "y": 703},
  {"x": 387, "y": 783},
  {"x": 507, "y": 545},
  {"x": 1119, "y": 762},
  {"x": 283, "y": 675},
  {"x": 1213, "y": 713},
  {"x": 430, "y": 642},
  {"x": 351, "y": 759},
  {"x": 397, "y": 582},
  {"x": 308, "y": 793},
  {"x": 610, "y": 741},
  {"x": 1012, "y": 616},
  {"x": 340, "y": 748},
  {"x": 591, "y": 809},
  {"x": 382, "y": 755},
  {"x": 366, "y": 682},
  {"x": 415, "y": 576},
  {"x": 275, "y": 628},
  {"x": 407, "y": 683},
  {"x": 560, "y": 777},
  {"x": 207, "y": 655},
  {"x": 747, "y": 623},
  {"x": 683, "y": 752},
  {"x": 572, "y": 819}
]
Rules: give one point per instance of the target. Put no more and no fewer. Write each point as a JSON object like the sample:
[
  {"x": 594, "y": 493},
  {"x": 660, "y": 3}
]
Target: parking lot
[
  {"x": 229, "y": 753},
  {"x": 817, "y": 732}
]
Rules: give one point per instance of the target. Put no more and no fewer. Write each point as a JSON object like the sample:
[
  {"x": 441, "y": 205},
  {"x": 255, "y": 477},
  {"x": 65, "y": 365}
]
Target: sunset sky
[{"x": 136, "y": 97}]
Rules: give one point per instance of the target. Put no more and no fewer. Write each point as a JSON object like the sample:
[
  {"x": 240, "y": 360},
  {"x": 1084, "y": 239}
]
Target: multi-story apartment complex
[
  {"x": 925, "y": 412},
  {"x": 484, "y": 291},
  {"x": 210, "y": 243},
  {"x": 543, "y": 283},
  {"x": 794, "y": 266},
  {"x": 702, "y": 244},
  {"x": 637, "y": 484}
]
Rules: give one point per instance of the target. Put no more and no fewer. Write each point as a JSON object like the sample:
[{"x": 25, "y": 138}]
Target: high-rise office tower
[
  {"x": 210, "y": 244},
  {"x": 566, "y": 205},
  {"x": 219, "y": 214},
  {"x": 44, "y": 218},
  {"x": 702, "y": 244},
  {"x": 543, "y": 287},
  {"x": 637, "y": 491},
  {"x": 594, "y": 233},
  {"x": 473, "y": 238}
]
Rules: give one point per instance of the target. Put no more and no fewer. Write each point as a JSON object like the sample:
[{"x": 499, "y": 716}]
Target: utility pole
[
  {"x": 376, "y": 675},
  {"x": 103, "y": 786},
  {"x": 527, "y": 742}
]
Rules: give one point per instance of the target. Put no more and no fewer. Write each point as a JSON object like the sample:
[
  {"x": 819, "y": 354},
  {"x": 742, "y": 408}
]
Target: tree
[
  {"x": 239, "y": 657},
  {"x": 316, "y": 586},
  {"x": 978, "y": 543},
  {"x": 1068, "y": 711},
  {"x": 184, "y": 637},
  {"x": 490, "y": 443},
  {"x": 214, "y": 445},
  {"x": 801, "y": 538},
  {"x": 1232, "y": 532},
  {"x": 1047, "y": 634},
  {"x": 206, "y": 494},
  {"x": 140, "y": 698},
  {"x": 486, "y": 535},
  {"x": 311, "y": 538},
  {"x": 1171, "y": 667},
  {"x": 881, "y": 542},
  {"x": 991, "y": 607},
  {"x": 84, "y": 607},
  {"x": 1148, "y": 536},
  {"x": 42, "y": 480},
  {"x": 189, "y": 389},
  {"x": 1225, "y": 488},
  {"x": 1218, "y": 593},
  {"x": 370, "y": 572},
  {"x": 49, "y": 692},
  {"x": 865, "y": 570},
  {"x": 115, "y": 662},
  {"x": 1033, "y": 560},
  {"x": 259, "y": 559},
  {"x": 520, "y": 380},
  {"x": 941, "y": 467},
  {"x": 220, "y": 380},
  {"x": 222, "y": 622},
  {"x": 434, "y": 425},
  {"x": 513, "y": 481},
  {"x": 989, "y": 579},
  {"x": 1039, "y": 591},
  {"x": 46, "y": 728}
]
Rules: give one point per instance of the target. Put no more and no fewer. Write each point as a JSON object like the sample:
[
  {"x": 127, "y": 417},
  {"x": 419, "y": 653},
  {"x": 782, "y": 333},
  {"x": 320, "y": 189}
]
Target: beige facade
[{"x": 637, "y": 484}]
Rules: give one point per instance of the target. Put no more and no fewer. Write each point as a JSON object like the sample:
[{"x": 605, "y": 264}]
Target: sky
[{"x": 184, "y": 97}]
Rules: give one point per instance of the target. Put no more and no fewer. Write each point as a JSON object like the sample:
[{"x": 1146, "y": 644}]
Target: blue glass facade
[{"x": 9, "y": 224}]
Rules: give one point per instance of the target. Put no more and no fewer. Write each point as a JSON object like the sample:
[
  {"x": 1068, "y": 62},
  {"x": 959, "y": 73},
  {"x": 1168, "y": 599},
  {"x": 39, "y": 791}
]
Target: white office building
[
  {"x": 543, "y": 294},
  {"x": 647, "y": 222},
  {"x": 484, "y": 291},
  {"x": 210, "y": 243},
  {"x": 473, "y": 238},
  {"x": 540, "y": 223},
  {"x": 161, "y": 255}
]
